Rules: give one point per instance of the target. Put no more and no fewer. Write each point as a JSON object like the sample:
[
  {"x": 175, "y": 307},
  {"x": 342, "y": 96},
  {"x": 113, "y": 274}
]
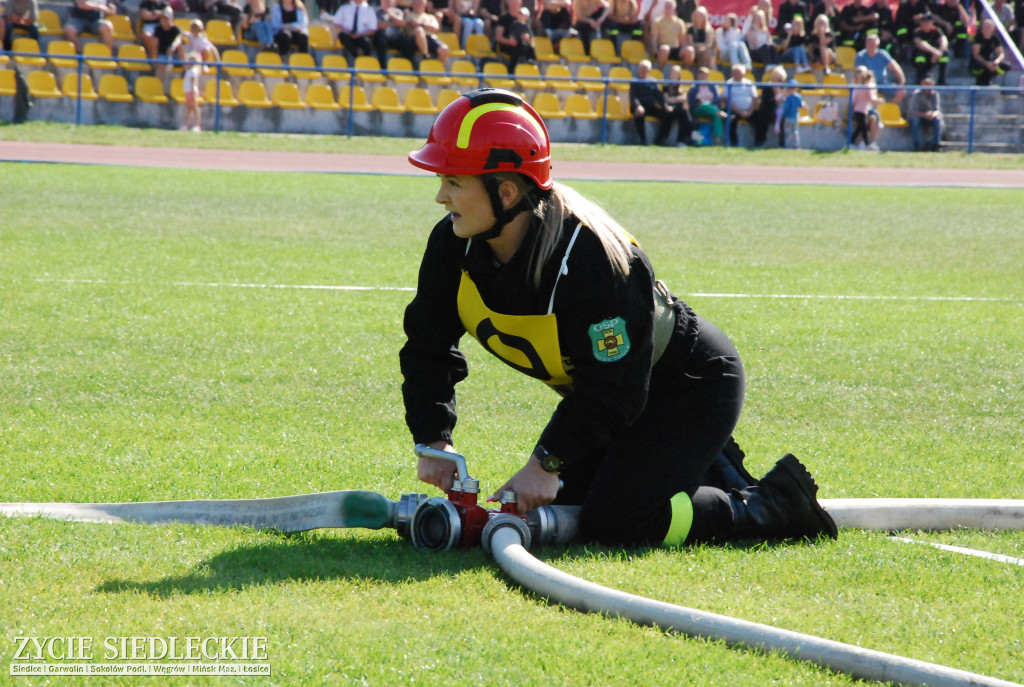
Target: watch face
[{"x": 551, "y": 463}]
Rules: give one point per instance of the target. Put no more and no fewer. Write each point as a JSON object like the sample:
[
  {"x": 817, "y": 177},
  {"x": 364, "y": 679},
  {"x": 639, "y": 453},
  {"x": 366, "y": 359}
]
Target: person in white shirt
[
  {"x": 355, "y": 25},
  {"x": 741, "y": 98},
  {"x": 731, "y": 45}
]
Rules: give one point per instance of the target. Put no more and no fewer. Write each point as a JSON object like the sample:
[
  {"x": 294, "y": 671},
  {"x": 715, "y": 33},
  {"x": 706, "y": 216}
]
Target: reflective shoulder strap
[{"x": 564, "y": 269}]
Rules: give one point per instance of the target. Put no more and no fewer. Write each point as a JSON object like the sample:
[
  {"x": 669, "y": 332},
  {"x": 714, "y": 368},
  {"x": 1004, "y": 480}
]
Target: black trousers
[{"x": 696, "y": 395}]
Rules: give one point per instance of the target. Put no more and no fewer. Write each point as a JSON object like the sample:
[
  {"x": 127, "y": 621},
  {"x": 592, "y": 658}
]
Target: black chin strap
[{"x": 503, "y": 216}]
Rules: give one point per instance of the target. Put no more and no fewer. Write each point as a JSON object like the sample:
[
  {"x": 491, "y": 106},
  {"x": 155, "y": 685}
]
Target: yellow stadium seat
[
  {"x": 320, "y": 38},
  {"x": 578, "y": 106},
  {"x": 178, "y": 92},
  {"x": 27, "y": 45},
  {"x": 602, "y": 51},
  {"x": 835, "y": 80},
  {"x": 547, "y": 106},
  {"x": 62, "y": 54},
  {"x": 433, "y": 73},
  {"x": 252, "y": 93},
  {"x": 633, "y": 51},
  {"x": 123, "y": 30},
  {"x": 149, "y": 89},
  {"x": 8, "y": 82},
  {"x": 114, "y": 87},
  {"x": 804, "y": 116},
  {"x": 334, "y": 66},
  {"x": 42, "y": 84},
  {"x": 98, "y": 56},
  {"x": 132, "y": 51},
  {"x": 845, "y": 57},
  {"x": 400, "y": 70},
  {"x": 49, "y": 23},
  {"x": 418, "y": 101},
  {"x": 269, "y": 63},
  {"x": 464, "y": 74},
  {"x": 368, "y": 69},
  {"x": 455, "y": 50},
  {"x": 70, "y": 87},
  {"x": 320, "y": 97},
  {"x": 446, "y": 97},
  {"x": 238, "y": 58},
  {"x": 385, "y": 99},
  {"x": 286, "y": 95},
  {"x": 496, "y": 76},
  {"x": 183, "y": 23},
  {"x": 528, "y": 76},
  {"x": 620, "y": 78},
  {"x": 615, "y": 110},
  {"x": 572, "y": 50},
  {"x": 715, "y": 76},
  {"x": 227, "y": 94},
  {"x": 354, "y": 97},
  {"x": 478, "y": 45},
  {"x": 891, "y": 116},
  {"x": 221, "y": 33},
  {"x": 560, "y": 78},
  {"x": 545, "y": 49},
  {"x": 590, "y": 78},
  {"x": 302, "y": 66}
]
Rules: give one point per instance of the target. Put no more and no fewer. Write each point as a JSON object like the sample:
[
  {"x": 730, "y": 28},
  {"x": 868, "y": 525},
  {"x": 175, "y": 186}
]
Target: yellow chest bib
[{"x": 528, "y": 343}]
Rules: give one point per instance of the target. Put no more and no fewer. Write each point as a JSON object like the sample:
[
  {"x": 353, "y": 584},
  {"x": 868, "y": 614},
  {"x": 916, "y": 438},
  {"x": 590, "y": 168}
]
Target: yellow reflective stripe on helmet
[
  {"x": 682, "y": 520},
  {"x": 466, "y": 128}
]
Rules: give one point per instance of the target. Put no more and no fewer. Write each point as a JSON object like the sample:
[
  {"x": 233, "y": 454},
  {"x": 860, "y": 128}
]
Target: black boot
[{"x": 781, "y": 506}]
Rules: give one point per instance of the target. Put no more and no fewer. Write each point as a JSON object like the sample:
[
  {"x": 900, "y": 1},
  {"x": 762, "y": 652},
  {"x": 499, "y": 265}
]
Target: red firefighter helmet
[{"x": 484, "y": 131}]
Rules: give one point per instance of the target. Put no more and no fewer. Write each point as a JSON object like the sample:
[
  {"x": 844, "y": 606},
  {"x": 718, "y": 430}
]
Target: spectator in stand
[
  {"x": 355, "y": 27},
  {"x": 668, "y": 35},
  {"x": 19, "y": 15},
  {"x": 89, "y": 16},
  {"x": 706, "y": 103},
  {"x": 987, "y": 54},
  {"x": 256, "y": 25},
  {"x": 821, "y": 44},
  {"x": 290, "y": 24},
  {"x": 767, "y": 110},
  {"x": 731, "y": 46},
  {"x": 856, "y": 20},
  {"x": 676, "y": 102},
  {"x": 512, "y": 35},
  {"x": 741, "y": 101},
  {"x": 788, "y": 123},
  {"x": 702, "y": 38},
  {"x": 150, "y": 12},
  {"x": 952, "y": 18},
  {"x": 646, "y": 99},
  {"x": 227, "y": 8},
  {"x": 686, "y": 8},
  {"x": 881, "y": 63},
  {"x": 759, "y": 40},
  {"x": 788, "y": 11},
  {"x": 1004, "y": 11},
  {"x": 825, "y": 8},
  {"x": 422, "y": 26},
  {"x": 794, "y": 46},
  {"x": 930, "y": 49},
  {"x": 190, "y": 87},
  {"x": 908, "y": 16},
  {"x": 865, "y": 114},
  {"x": 169, "y": 41},
  {"x": 924, "y": 111},
  {"x": 197, "y": 42},
  {"x": 391, "y": 33},
  {"x": 590, "y": 16},
  {"x": 556, "y": 20},
  {"x": 490, "y": 11},
  {"x": 623, "y": 22},
  {"x": 886, "y": 26}
]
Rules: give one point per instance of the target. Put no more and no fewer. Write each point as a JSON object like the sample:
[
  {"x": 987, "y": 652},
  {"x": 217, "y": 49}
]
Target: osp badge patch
[{"x": 611, "y": 342}]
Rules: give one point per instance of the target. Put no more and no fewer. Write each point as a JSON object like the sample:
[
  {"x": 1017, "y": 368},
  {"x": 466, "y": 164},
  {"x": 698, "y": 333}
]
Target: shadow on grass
[{"x": 306, "y": 557}]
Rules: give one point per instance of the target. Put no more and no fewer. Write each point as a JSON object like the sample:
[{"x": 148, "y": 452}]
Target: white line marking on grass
[
  {"x": 967, "y": 552},
  {"x": 338, "y": 287}
]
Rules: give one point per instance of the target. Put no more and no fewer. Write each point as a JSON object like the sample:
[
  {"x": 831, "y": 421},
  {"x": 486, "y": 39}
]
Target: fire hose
[{"x": 440, "y": 524}]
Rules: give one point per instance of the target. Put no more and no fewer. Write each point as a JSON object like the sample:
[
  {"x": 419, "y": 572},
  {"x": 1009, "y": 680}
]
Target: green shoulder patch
[{"x": 611, "y": 342}]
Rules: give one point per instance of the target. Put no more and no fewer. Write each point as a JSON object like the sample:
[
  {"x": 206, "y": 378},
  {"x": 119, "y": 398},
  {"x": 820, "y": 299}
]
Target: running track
[{"x": 332, "y": 163}]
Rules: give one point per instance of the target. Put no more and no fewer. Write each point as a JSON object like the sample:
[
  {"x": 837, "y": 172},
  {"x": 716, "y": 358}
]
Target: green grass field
[{"x": 156, "y": 345}]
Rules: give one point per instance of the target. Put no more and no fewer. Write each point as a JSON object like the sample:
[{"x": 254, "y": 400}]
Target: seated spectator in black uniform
[
  {"x": 646, "y": 99},
  {"x": 512, "y": 36},
  {"x": 908, "y": 15},
  {"x": 788, "y": 10},
  {"x": 951, "y": 17},
  {"x": 930, "y": 49},
  {"x": 987, "y": 54},
  {"x": 676, "y": 101},
  {"x": 856, "y": 20},
  {"x": 391, "y": 33},
  {"x": 169, "y": 41}
]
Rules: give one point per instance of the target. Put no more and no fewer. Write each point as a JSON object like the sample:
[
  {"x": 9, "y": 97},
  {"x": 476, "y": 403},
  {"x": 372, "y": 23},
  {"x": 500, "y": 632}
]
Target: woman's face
[{"x": 468, "y": 202}]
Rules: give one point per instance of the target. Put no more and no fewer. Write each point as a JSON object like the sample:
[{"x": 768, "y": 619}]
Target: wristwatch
[{"x": 548, "y": 461}]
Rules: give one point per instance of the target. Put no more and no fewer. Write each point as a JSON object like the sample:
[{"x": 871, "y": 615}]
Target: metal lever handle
[{"x": 424, "y": 451}]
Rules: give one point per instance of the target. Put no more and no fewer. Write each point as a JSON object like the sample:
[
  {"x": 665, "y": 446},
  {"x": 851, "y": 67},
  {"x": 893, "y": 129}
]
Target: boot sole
[{"x": 803, "y": 479}]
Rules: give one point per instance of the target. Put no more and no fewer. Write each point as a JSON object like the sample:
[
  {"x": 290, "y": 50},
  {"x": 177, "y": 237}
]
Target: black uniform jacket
[{"x": 604, "y": 396}]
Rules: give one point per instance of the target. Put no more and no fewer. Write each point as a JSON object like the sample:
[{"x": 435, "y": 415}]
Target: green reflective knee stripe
[{"x": 682, "y": 519}]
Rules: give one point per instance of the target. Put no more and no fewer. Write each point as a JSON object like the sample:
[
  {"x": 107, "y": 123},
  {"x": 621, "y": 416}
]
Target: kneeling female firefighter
[{"x": 554, "y": 287}]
